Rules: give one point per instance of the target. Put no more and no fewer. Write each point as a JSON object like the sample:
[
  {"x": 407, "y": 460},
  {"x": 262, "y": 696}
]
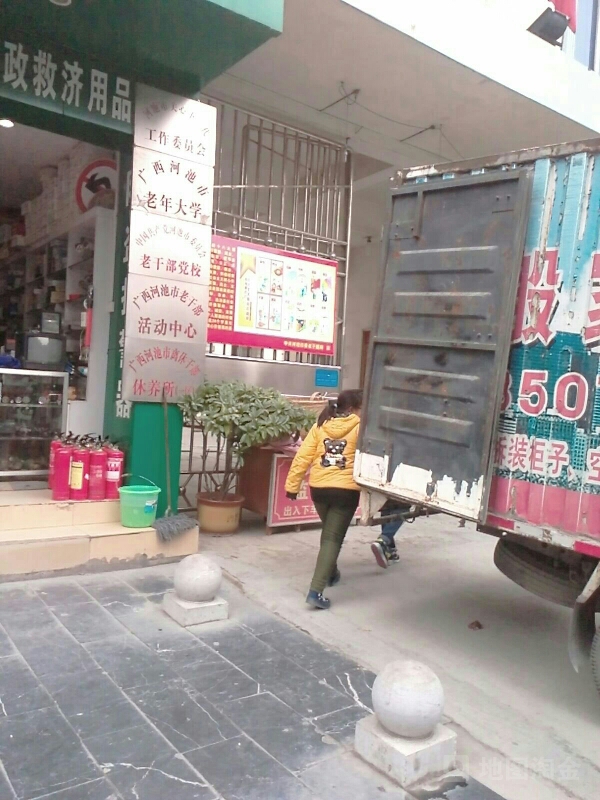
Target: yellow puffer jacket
[{"x": 328, "y": 452}]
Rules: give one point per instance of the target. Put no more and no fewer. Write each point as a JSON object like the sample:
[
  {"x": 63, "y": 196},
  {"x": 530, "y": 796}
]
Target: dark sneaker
[
  {"x": 316, "y": 600},
  {"x": 384, "y": 553},
  {"x": 335, "y": 578},
  {"x": 378, "y": 549}
]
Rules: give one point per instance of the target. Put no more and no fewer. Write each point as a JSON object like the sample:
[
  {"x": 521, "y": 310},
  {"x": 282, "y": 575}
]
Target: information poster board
[{"x": 264, "y": 297}]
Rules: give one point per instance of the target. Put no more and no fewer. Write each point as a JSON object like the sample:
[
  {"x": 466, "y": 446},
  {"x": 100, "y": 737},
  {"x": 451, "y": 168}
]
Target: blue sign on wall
[{"x": 327, "y": 378}]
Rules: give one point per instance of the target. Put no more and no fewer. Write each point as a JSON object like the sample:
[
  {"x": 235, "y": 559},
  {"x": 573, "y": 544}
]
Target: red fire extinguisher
[
  {"x": 54, "y": 445},
  {"x": 61, "y": 478},
  {"x": 80, "y": 474},
  {"x": 98, "y": 470},
  {"x": 114, "y": 471}
]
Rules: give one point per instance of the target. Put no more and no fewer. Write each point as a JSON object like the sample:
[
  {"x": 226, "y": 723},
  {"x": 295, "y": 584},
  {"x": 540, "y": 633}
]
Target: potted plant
[{"x": 231, "y": 418}]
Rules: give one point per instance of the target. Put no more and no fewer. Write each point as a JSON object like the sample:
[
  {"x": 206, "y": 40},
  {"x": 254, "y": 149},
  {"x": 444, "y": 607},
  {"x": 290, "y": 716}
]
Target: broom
[{"x": 170, "y": 525}]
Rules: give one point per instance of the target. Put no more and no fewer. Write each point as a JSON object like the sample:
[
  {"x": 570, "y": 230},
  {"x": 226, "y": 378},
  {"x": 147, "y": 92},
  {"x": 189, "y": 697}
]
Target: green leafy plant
[{"x": 232, "y": 418}]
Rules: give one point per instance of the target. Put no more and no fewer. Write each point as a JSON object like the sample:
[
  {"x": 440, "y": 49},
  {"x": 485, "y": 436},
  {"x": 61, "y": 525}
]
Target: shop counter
[{"x": 33, "y": 410}]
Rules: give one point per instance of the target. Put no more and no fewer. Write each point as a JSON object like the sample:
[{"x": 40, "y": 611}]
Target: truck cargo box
[{"x": 483, "y": 385}]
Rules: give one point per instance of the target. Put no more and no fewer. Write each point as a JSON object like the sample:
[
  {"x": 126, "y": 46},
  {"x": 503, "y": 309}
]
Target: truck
[{"x": 483, "y": 373}]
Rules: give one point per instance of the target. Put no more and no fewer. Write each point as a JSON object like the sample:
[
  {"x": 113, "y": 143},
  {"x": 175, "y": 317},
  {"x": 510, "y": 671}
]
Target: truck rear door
[{"x": 442, "y": 334}]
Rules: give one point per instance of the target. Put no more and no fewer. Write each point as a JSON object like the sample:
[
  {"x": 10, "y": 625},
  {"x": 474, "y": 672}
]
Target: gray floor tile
[
  {"x": 107, "y": 719},
  {"x": 191, "y": 656},
  {"x": 6, "y": 646},
  {"x": 86, "y": 692},
  {"x": 88, "y": 622},
  {"x": 140, "y": 746},
  {"x": 150, "y": 583},
  {"x": 237, "y": 645},
  {"x": 23, "y": 624},
  {"x": 169, "y": 778},
  {"x": 341, "y": 724},
  {"x": 285, "y": 735},
  {"x": 355, "y": 682},
  {"x": 261, "y": 622},
  {"x": 61, "y": 594},
  {"x": 118, "y": 598},
  {"x": 52, "y": 650},
  {"x": 473, "y": 790},
  {"x": 300, "y": 690},
  {"x": 160, "y": 633},
  {"x": 20, "y": 691},
  {"x": 41, "y": 754},
  {"x": 238, "y": 769},
  {"x": 345, "y": 776},
  {"x": 219, "y": 683},
  {"x": 307, "y": 653},
  {"x": 180, "y": 718},
  {"x": 129, "y": 662},
  {"x": 19, "y": 601},
  {"x": 6, "y": 792},
  {"x": 94, "y": 790}
]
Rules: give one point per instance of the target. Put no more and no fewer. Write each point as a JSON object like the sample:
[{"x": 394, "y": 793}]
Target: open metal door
[{"x": 441, "y": 339}]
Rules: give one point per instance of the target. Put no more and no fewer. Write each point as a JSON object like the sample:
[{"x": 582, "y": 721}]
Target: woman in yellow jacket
[{"x": 328, "y": 452}]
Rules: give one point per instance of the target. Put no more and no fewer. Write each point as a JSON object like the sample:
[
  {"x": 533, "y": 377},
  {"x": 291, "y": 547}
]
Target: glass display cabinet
[{"x": 33, "y": 409}]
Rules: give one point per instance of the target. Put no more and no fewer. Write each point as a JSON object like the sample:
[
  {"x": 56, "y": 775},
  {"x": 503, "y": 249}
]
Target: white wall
[
  {"x": 363, "y": 284},
  {"x": 491, "y": 38}
]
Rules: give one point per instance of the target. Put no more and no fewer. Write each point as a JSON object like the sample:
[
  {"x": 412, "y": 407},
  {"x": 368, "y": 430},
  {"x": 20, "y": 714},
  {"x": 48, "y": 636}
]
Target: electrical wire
[{"x": 342, "y": 119}]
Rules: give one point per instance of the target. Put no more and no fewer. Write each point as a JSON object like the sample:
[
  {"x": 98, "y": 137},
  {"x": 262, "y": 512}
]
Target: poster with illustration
[{"x": 280, "y": 300}]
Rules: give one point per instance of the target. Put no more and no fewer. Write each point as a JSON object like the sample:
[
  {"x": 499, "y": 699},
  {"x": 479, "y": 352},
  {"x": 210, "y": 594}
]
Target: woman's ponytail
[{"x": 349, "y": 400}]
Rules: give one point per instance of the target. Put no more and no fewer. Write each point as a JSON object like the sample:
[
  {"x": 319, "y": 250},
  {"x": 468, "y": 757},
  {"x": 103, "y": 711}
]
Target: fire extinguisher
[
  {"x": 114, "y": 471},
  {"x": 61, "y": 478},
  {"x": 98, "y": 470},
  {"x": 57, "y": 442},
  {"x": 80, "y": 474}
]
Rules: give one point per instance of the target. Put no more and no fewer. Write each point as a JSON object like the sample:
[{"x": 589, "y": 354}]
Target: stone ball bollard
[
  {"x": 197, "y": 578},
  {"x": 408, "y": 699}
]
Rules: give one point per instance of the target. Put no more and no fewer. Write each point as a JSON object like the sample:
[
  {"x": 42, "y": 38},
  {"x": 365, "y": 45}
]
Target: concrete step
[
  {"x": 23, "y": 510},
  {"x": 34, "y": 550}
]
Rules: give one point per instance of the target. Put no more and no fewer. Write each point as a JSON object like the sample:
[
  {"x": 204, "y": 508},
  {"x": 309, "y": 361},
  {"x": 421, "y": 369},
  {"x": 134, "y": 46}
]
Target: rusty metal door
[{"x": 441, "y": 339}]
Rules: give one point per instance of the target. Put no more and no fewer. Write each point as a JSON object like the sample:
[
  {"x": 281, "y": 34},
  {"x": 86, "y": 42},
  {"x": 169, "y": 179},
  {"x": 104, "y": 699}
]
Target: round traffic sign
[{"x": 96, "y": 179}]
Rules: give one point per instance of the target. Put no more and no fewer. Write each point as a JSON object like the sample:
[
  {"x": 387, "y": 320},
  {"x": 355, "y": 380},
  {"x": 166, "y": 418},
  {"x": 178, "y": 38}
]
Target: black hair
[{"x": 346, "y": 401}]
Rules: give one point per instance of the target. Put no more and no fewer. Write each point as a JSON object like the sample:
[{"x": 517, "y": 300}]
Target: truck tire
[
  {"x": 595, "y": 659},
  {"x": 539, "y": 574}
]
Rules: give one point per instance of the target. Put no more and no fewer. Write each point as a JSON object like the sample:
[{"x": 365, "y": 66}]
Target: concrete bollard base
[
  {"x": 406, "y": 761},
  {"x": 187, "y": 613}
]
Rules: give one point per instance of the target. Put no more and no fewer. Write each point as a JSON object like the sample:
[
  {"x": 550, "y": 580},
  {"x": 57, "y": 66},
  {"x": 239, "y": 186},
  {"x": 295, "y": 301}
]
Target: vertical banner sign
[
  {"x": 264, "y": 297},
  {"x": 169, "y": 246}
]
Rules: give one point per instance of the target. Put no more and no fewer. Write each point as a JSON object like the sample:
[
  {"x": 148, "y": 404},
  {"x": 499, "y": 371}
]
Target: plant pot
[{"x": 219, "y": 516}]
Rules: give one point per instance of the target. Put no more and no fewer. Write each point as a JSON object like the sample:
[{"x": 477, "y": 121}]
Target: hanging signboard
[
  {"x": 264, "y": 297},
  {"x": 172, "y": 187},
  {"x": 173, "y": 249},
  {"x": 55, "y": 79},
  {"x": 169, "y": 248},
  {"x": 175, "y": 126}
]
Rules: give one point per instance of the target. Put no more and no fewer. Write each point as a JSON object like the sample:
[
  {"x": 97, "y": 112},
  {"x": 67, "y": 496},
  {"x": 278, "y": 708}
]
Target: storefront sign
[
  {"x": 175, "y": 126},
  {"x": 65, "y": 82},
  {"x": 162, "y": 248},
  {"x": 172, "y": 187},
  {"x": 263, "y": 297},
  {"x": 152, "y": 367},
  {"x": 171, "y": 311},
  {"x": 282, "y": 510},
  {"x": 169, "y": 246}
]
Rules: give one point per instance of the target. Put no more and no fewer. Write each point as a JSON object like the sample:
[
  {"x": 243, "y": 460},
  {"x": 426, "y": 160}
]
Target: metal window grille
[{"x": 284, "y": 188}]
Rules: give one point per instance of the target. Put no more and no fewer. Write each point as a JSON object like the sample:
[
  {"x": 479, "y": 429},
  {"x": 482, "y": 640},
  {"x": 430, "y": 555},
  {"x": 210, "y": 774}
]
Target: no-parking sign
[{"x": 98, "y": 177}]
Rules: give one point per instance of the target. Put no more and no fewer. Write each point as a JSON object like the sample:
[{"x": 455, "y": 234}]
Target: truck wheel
[
  {"x": 539, "y": 574},
  {"x": 595, "y": 659}
]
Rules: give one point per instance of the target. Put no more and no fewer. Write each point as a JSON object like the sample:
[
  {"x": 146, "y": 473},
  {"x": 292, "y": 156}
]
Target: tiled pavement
[{"x": 102, "y": 697}]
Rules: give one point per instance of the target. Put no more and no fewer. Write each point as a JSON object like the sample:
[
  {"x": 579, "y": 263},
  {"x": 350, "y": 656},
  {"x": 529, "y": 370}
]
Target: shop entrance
[{"x": 57, "y": 254}]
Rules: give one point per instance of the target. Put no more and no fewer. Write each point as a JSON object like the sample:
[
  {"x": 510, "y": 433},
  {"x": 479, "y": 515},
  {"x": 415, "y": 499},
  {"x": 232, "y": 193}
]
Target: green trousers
[{"x": 336, "y": 518}]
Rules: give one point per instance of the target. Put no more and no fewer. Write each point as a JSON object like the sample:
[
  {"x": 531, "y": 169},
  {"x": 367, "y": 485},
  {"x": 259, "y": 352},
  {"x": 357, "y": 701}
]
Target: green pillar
[{"x": 147, "y": 456}]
